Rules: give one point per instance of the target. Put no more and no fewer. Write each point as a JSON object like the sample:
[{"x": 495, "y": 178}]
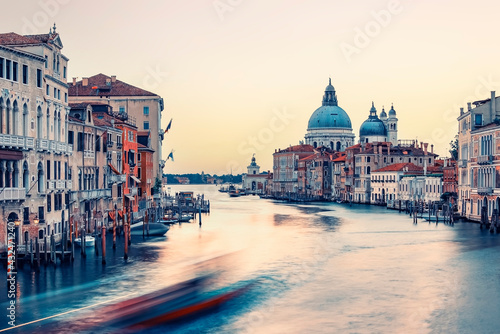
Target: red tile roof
[
  {"x": 117, "y": 88},
  {"x": 12, "y": 38},
  {"x": 400, "y": 167},
  {"x": 297, "y": 148}
]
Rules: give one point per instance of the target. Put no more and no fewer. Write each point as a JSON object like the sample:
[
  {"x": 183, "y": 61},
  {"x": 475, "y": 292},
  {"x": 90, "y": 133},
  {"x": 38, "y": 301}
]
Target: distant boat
[
  {"x": 89, "y": 241},
  {"x": 234, "y": 193},
  {"x": 168, "y": 220},
  {"x": 185, "y": 217},
  {"x": 155, "y": 229}
]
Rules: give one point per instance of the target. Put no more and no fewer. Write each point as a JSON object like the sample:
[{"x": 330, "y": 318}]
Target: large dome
[{"x": 329, "y": 117}]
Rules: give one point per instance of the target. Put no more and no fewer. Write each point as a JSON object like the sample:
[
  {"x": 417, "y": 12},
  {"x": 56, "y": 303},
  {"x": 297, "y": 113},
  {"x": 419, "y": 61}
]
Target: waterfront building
[
  {"x": 329, "y": 125},
  {"x": 315, "y": 175},
  {"x": 385, "y": 182},
  {"x": 450, "y": 183},
  {"x": 285, "y": 169},
  {"x": 90, "y": 199},
  {"x": 362, "y": 159},
  {"x": 418, "y": 187},
  {"x": 34, "y": 155},
  {"x": 141, "y": 106},
  {"x": 338, "y": 177},
  {"x": 145, "y": 163},
  {"x": 479, "y": 158},
  {"x": 253, "y": 181}
]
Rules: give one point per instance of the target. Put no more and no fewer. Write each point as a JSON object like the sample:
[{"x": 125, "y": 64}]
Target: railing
[
  {"x": 462, "y": 163},
  {"x": 89, "y": 154},
  {"x": 42, "y": 144},
  {"x": 53, "y": 146},
  {"x": 113, "y": 178},
  {"x": 69, "y": 148},
  {"x": 95, "y": 194},
  {"x": 109, "y": 143},
  {"x": 60, "y": 184},
  {"x": 69, "y": 184},
  {"x": 118, "y": 145},
  {"x": 133, "y": 191},
  {"x": 13, "y": 194},
  {"x": 51, "y": 185},
  {"x": 485, "y": 190},
  {"x": 484, "y": 159}
]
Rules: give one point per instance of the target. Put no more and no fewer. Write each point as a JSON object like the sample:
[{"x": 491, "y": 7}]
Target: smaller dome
[
  {"x": 383, "y": 114},
  {"x": 392, "y": 112},
  {"x": 373, "y": 126}
]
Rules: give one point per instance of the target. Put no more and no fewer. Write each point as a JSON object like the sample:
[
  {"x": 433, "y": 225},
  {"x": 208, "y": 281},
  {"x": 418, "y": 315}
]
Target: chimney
[
  {"x": 85, "y": 82},
  {"x": 74, "y": 81},
  {"x": 461, "y": 111},
  {"x": 108, "y": 82},
  {"x": 421, "y": 144},
  {"x": 432, "y": 148},
  {"x": 113, "y": 78},
  {"x": 425, "y": 148},
  {"x": 469, "y": 106},
  {"x": 493, "y": 105}
]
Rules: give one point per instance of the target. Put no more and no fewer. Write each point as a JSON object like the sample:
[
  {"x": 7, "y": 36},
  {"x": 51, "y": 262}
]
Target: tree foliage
[{"x": 454, "y": 148}]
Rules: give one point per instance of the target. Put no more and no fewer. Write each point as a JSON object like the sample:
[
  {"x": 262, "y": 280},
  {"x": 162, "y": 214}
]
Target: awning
[
  {"x": 114, "y": 169},
  {"x": 130, "y": 197},
  {"x": 135, "y": 179}
]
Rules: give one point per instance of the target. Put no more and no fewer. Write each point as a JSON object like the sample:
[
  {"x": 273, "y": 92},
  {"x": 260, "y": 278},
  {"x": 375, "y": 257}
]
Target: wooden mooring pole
[{"x": 103, "y": 238}]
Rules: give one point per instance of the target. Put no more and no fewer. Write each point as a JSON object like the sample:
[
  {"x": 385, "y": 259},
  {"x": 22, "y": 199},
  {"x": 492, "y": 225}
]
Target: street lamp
[{"x": 36, "y": 221}]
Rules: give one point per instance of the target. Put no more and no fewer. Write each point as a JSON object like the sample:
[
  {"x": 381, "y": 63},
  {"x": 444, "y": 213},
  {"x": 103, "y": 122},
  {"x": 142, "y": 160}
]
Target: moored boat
[
  {"x": 155, "y": 229},
  {"x": 89, "y": 241}
]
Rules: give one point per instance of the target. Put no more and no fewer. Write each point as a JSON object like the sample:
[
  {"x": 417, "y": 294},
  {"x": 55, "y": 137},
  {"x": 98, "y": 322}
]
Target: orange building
[{"x": 129, "y": 163}]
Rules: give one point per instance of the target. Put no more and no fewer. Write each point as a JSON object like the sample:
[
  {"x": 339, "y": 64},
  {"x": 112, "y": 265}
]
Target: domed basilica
[{"x": 329, "y": 125}]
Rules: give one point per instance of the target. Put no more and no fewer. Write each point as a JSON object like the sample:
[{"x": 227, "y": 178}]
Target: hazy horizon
[{"x": 243, "y": 77}]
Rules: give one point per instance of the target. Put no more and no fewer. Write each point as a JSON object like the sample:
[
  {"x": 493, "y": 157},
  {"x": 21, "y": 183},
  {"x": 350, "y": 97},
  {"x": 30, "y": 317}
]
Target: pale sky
[{"x": 240, "y": 77}]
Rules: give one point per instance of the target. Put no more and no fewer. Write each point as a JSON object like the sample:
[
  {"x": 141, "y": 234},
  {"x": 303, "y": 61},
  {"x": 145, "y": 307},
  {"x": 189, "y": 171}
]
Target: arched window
[
  {"x": 26, "y": 176},
  {"x": 2, "y": 110},
  {"x": 15, "y": 118},
  {"x": 40, "y": 178},
  {"x": 48, "y": 123},
  {"x": 7, "y": 117},
  {"x": 39, "y": 122},
  {"x": 338, "y": 146},
  {"x": 25, "y": 120},
  {"x": 331, "y": 145},
  {"x": 315, "y": 144},
  {"x": 15, "y": 176}
]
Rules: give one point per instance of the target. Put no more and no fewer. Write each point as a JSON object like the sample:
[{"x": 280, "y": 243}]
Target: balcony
[
  {"x": 69, "y": 184},
  {"x": 95, "y": 194},
  {"x": 462, "y": 163},
  {"x": 15, "y": 142},
  {"x": 89, "y": 154},
  {"x": 109, "y": 143},
  {"x": 13, "y": 194},
  {"x": 484, "y": 159},
  {"x": 60, "y": 185},
  {"x": 485, "y": 190},
  {"x": 113, "y": 178},
  {"x": 118, "y": 145},
  {"x": 51, "y": 185},
  {"x": 42, "y": 145}
]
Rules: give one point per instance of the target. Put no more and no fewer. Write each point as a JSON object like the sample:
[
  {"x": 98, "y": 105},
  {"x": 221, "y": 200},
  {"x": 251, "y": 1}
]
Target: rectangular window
[
  {"x": 2, "y": 62},
  {"x": 478, "y": 119},
  {"x": 138, "y": 157},
  {"x": 48, "y": 169},
  {"x": 47, "y": 90},
  {"x": 39, "y": 78},
  {"x": 8, "y": 69},
  {"x": 55, "y": 92},
  {"x": 49, "y": 206},
  {"x": 25, "y": 74},
  {"x": 41, "y": 214},
  {"x": 46, "y": 61},
  {"x": 14, "y": 71},
  {"x": 66, "y": 97},
  {"x": 146, "y": 125},
  {"x": 64, "y": 72},
  {"x": 122, "y": 110},
  {"x": 98, "y": 144},
  {"x": 119, "y": 190},
  {"x": 80, "y": 141},
  {"x": 70, "y": 137},
  {"x": 146, "y": 111},
  {"x": 58, "y": 94},
  {"x": 26, "y": 215},
  {"x": 139, "y": 173}
]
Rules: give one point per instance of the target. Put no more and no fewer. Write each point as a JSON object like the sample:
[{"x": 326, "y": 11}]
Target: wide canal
[{"x": 319, "y": 268}]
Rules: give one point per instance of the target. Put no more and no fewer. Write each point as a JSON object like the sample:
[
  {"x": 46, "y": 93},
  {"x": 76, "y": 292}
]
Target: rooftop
[{"x": 103, "y": 85}]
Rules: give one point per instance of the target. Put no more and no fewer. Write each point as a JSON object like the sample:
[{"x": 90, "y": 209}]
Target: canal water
[{"x": 317, "y": 268}]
